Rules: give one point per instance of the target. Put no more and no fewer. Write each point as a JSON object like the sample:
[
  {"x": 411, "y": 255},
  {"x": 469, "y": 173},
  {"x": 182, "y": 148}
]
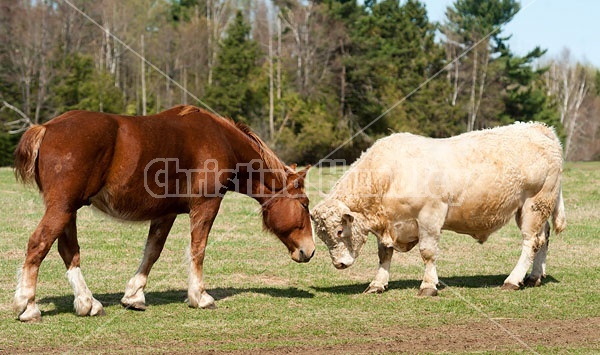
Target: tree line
[{"x": 310, "y": 77}]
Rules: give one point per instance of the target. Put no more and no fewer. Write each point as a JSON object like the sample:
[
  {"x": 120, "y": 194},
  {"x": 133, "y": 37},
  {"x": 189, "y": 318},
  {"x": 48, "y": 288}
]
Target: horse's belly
[{"x": 130, "y": 207}]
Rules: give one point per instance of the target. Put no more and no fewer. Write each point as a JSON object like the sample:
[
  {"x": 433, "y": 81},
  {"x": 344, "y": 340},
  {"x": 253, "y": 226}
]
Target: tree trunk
[
  {"x": 472, "y": 113},
  {"x": 271, "y": 91},
  {"x": 143, "y": 73}
]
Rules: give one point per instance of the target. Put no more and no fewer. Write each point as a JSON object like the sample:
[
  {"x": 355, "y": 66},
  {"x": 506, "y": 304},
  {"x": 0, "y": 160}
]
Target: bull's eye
[{"x": 339, "y": 233}]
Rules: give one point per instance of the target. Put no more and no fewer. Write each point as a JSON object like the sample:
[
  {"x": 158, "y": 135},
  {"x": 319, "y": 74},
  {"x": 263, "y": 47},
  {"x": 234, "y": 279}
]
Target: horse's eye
[{"x": 339, "y": 233}]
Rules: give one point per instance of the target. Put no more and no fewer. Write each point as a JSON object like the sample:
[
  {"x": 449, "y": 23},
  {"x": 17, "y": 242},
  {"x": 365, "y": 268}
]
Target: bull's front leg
[
  {"x": 380, "y": 283},
  {"x": 428, "y": 245},
  {"x": 430, "y": 223}
]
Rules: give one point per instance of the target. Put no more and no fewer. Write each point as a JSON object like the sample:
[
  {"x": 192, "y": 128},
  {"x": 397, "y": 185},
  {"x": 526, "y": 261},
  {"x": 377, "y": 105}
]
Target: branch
[{"x": 24, "y": 122}]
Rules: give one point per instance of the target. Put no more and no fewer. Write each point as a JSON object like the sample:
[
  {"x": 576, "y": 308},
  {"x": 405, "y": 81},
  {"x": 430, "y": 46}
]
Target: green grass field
[{"x": 268, "y": 303}]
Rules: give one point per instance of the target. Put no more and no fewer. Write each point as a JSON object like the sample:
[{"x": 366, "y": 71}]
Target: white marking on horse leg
[
  {"x": 85, "y": 304},
  {"x": 20, "y": 299},
  {"x": 24, "y": 300},
  {"x": 197, "y": 295},
  {"x": 134, "y": 292}
]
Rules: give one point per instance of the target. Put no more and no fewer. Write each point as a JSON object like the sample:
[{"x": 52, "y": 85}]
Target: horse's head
[{"x": 286, "y": 215}]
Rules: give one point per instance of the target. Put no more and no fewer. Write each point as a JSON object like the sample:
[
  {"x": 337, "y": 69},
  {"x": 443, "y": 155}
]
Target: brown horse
[{"x": 182, "y": 160}]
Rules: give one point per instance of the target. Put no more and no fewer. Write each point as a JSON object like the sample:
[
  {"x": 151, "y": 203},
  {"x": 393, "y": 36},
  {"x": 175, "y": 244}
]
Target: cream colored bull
[{"x": 406, "y": 189}]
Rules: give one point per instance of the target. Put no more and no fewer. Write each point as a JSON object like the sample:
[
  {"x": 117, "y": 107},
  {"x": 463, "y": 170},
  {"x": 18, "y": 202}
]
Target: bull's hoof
[
  {"x": 375, "y": 287},
  {"x": 428, "y": 292},
  {"x": 533, "y": 282},
  {"x": 135, "y": 306},
  {"x": 509, "y": 287}
]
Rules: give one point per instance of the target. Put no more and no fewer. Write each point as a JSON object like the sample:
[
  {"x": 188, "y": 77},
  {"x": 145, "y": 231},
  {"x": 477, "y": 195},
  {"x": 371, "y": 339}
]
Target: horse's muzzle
[{"x": 303, "y": 256}]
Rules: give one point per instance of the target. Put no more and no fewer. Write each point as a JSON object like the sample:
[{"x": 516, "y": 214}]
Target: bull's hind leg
[
  {"x": 531, "y": 219},
  {"x": 85, "y": 304},
  {"x": 538, "y": 270},
  {"x": 50, "y": 227},
  {"x": 134, "y": 292}
]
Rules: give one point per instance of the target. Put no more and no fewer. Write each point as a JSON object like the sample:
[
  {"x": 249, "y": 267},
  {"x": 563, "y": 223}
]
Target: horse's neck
[{"x": 256, "y": 179}]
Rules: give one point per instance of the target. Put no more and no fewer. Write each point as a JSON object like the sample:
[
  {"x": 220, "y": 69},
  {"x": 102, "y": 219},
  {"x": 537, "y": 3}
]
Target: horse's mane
[{"x": 271, "y": 160}]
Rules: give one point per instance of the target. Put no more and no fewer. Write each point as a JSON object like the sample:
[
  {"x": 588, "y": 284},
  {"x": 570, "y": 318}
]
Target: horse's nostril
[{"x": 313, "y": 253}]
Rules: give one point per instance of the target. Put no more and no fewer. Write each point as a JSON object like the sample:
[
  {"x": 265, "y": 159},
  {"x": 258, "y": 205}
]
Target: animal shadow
[
  {"x": 474, "y": 281},
  {"x": 64, "y": 303}
]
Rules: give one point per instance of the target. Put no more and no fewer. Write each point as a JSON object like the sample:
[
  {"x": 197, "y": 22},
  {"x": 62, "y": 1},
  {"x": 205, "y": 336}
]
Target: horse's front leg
[
  {"x": 202, "y": 216},
  {"x": 134, "y": 292}
]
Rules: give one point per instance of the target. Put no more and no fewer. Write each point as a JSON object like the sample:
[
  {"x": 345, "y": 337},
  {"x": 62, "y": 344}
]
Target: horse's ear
[{"x": 303, "y": 172}]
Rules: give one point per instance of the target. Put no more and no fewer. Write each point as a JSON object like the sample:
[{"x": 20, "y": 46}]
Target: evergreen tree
[
  {"x": 231, "y": 93},
  {"x": 81, "y": 86},
  {"x": 525, "y": 99},
  {"x": 393, "y": 51}
]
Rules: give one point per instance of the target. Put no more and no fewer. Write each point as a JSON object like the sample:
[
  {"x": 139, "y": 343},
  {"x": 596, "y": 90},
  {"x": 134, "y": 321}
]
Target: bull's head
[{"x": 341, "y": 230}]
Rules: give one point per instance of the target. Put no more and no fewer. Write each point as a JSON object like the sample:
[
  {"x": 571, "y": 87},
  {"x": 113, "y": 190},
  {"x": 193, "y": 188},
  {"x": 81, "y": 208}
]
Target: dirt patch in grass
[{"x": 492, "y": 335}]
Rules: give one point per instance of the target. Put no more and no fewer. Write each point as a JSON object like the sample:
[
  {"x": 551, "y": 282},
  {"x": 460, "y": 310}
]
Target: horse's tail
[
  {"x": 26, "y": 154},
  {"x": 559, "y": 219}
]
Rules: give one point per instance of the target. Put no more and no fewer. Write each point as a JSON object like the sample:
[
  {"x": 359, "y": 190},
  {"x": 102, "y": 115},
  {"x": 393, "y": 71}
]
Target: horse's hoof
[
  {"x": 509, "y": 287},
  {"x": 135, "y": 306},
  {"x": 428, "y": 292},
  {"x": 31, "y": 315},
  {"x": 533, "y": 282},
  {"x": 375, "y": 287},
  {"x": 210, "y": 306},
  {"x": 205, "y": 301}
]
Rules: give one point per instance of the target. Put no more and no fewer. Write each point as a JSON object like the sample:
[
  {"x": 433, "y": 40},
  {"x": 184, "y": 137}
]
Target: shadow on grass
[
  {"x": 64, "y": 303},
  {"x": 476, "y": 281}
]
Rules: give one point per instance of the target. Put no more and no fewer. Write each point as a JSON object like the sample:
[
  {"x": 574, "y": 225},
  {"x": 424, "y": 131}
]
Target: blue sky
[{"x": 550, "y": 24}]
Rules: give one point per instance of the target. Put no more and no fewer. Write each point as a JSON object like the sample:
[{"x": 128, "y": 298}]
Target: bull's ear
[
  {"x": 293, "y": 167},
  {"x": 347, "y": 218}
]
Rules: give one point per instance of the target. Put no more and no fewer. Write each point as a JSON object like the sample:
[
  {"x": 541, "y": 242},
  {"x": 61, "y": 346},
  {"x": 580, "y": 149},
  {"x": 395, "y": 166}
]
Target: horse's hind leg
[
  {"x": 50, "y": 227},
  {"x": 68, "y": 247},
  {"x": 134, "y": 292},
  {"x": 538, "y": 270}
]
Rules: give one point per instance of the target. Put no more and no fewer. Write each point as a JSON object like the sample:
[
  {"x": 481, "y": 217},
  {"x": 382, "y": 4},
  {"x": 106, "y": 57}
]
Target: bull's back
[{"x": 482, "y": 177}]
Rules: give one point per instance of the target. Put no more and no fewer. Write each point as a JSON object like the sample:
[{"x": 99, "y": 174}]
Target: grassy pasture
[{"x": 268, "y": 303}]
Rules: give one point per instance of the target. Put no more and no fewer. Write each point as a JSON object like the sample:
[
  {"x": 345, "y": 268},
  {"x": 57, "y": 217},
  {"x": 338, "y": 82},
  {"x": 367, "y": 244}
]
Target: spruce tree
[{"x": 231, "y": 94}]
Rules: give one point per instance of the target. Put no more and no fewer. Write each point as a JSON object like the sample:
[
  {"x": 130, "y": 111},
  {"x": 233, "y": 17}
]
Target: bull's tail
[
  {"x": 26, "y": 154},
  {"x": 559, "y": 219}
]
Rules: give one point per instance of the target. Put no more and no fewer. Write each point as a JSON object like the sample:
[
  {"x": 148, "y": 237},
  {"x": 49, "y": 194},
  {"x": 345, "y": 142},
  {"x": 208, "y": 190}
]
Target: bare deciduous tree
[{"x": 567, "y": 83}]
